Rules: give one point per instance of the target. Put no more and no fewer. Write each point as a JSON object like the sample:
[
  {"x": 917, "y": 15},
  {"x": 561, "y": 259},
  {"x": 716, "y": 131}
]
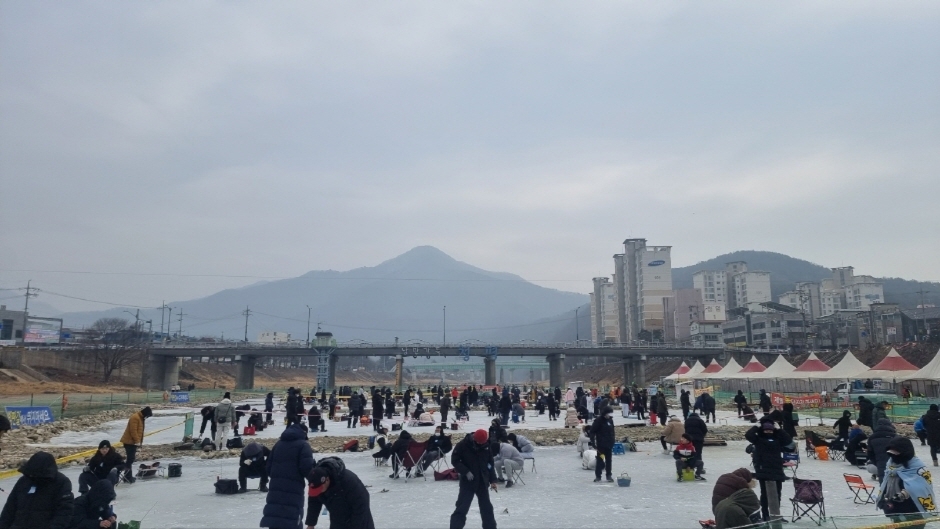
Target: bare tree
[{"x": 116, "y": 343}]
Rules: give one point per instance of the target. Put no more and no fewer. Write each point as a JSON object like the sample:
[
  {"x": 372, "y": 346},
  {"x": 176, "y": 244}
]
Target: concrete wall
[{"x": 74, "y": 361}]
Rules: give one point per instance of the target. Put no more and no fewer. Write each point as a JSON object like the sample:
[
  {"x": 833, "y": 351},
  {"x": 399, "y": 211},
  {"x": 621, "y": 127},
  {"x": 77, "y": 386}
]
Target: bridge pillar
[
  {"x": 502, "y": 376},
  {"x": 151, "y": 373},
  {"x": 489, "y": 372},
  {"x": 626, "y": 372},
  {"x": 512, "y": 375},
  {"x": 164, "y": 372},
  {"x": 641, "y": 371},
  {"x": 245, "y": 374},
  {"x": 556, "y": 370},
  {"x": 331, "y": 378},
  {"x": 399, "y": 367}
]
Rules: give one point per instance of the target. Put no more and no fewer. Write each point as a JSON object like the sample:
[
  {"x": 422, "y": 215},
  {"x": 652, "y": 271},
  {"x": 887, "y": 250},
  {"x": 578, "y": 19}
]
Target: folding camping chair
[
  {"x": 441, "y": 463},
  {"x": 864, "y": 493},
  {"x": 529, "y": 456},
  {"x": 517, "y": 473},
  {"x": 412, "y": 459},
  {"x": 791, "y": 462},
  {"x": 815, "y": 510},
  {"x": 836, "y": 455},
  {"x": 810, "y": 448}
]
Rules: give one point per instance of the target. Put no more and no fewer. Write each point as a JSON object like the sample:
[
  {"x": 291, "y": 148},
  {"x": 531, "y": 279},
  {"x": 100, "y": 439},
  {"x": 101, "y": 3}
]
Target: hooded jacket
[
  {"x": 440, "y": 442},
  {"x": 738, "y": 510},
  {"x": 673, "y": 431},
  {"x": 49, "y": 506},
  {"x": 269, "y": 402},
  {"x": 508, "y": 452},
  {"x": 844, "y": 424},
  {"x": 256, "y": 456},
  {"x": 730, "y": 483},
  {"x": 346, "y": 499},
  {"x": 740, "y": 398},
  {"x": 695, "y": 427},
  {"x": 602, "y": 431},
  {"x": 93, "y": 507},
  {"x": 583, "y": 442},
  {"x": 768, "y": 450},
  {"x": 101, "y": 465},
  {"x": 134, "y": 432},
  {"x": 865, "y": 408},
  {"x": 467, "y": 457},
  {"x": 661, "y": 409},
  {"x": 290, "y": 462},
  {"x": 523, "y": 444},
  {"x": 878, "y": 445},
  {"x": 224, "y": 412},
  {"x": 932, "y": 426},
  {"x": 878, "y": 413}
]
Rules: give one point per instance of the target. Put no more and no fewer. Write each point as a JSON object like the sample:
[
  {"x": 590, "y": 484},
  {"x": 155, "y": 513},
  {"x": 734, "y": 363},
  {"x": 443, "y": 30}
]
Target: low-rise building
[
  {"x": 706, "y": 334},
  {"x": 11, "y": 326},
  {"x": 274, "y": 337}
]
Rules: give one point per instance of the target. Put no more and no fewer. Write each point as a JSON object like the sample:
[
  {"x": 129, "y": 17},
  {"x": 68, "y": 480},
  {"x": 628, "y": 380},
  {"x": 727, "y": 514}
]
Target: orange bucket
[{"x": 822, "y": 453}]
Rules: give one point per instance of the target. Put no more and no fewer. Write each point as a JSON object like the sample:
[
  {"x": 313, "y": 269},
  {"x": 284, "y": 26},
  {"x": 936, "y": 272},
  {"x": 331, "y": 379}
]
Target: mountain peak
[{"x": 419, "y": 256}]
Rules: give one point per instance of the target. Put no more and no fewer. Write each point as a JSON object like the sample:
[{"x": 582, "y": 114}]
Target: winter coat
[
  {"x": 256, "y": 456},
  {"x": 524, "y": 445},
  {"x": 740, "y": 398},
  {"x": 738, "y": 510},
  {"x": 768, "y": 449},
  {"x": 708, "y": 403},
  {"x": 932, "y": 426},
  {"x": 505, "y": 404},
  {"x": 661, "y": 409},
  {"x": 290, "y": 462},
  {"x": 269, "y": 403},
  {"x": 788, "y": 424},
  {"x": 696, "y": 428},
  {"x": 291, "y": 404},
  {"x": 134, "y": 432},
  {"x": 49, "y": 507},
  {"x": 865, "y": 408},
  {"x": 684, "y": 399},
  {"x": 569, "y": 395},
  {"x": 347, "y": 499},
  {"x": 583, "y": 442},
  {"x": 518, "y": 409},
  {"x": 377, "y": 408},
  {"x": 445, "y": 404},
  {"x": 877, "y": 414},
  {"x": 673, "y": 431},
  {"x": 440, "y": 442},
  {"x": 878, "y": 445},
  {"x": 469, "y": 457},
  {"x": 765, "y": 403},
  {"x": 602, "y": 431},
  {"x": 730, "y": 483},
  {"x": 508, "y": 451},
  {"x": 101, "y": 465},
  {"x": 90, "y": 509},
  {"x": 225, "y": 412},
  {"x": 571, "y": 418},
  {"x": 843, "y": 425},
  {"x": 400, "y": 446}
]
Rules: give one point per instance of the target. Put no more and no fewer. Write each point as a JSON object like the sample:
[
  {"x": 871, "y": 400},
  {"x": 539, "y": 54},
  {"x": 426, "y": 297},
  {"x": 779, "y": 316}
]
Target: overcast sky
[{"x": 266, "y": 139}]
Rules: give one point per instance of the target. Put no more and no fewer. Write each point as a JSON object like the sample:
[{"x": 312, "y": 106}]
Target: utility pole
[
  {"x": 246, "y": 313},
  {"x": 445, "y": 325},
  {"x": 181, "y": 323},
  {"x": 923, "y": 309},
  {"x": 137, "y": 327},
  {"x": 577, "y": 331},
  {"x": 169, "y": 321},
  {"x": 162, "y": 308},
  {"x": 26, "y": 310},
  {"x": 308, "y": 327}
]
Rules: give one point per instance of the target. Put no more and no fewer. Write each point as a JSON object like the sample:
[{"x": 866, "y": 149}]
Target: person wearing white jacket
[
  {"x": 583, "y": 440},
  {"x": 225, "y": 417},
  {"x": 509, "y": 460}
]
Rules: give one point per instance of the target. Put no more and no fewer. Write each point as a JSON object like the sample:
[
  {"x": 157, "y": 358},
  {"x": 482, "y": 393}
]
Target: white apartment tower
[
  {"x": 712, "y": 284},
  {"x": 604, "y": 318},
  {"x": 643, "y": 276}
]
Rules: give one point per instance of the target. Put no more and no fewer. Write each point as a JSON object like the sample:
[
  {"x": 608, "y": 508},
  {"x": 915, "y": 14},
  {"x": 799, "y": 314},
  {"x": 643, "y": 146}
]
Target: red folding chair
[
  {"x": 864, "y": 493},
  {"x": 412, "y": 460}
]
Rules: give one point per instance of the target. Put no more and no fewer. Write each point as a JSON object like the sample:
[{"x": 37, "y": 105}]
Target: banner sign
[
  {"x": 806, "y": 401},
  {"x": 698, "y": 392},
  {"x": 179, "y": 396},
  {"x": 29, "y": 415}
]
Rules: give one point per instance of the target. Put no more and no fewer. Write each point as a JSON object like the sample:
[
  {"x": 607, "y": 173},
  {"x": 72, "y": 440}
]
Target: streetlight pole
[
  {"x": 923, "y": 310},
  {"x": 308, "y": 326},
  {"x": 445, "y": 325},
  {"x": 577, "y": 331}
]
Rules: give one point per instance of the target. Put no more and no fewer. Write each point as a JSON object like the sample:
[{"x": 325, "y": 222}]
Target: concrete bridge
[{"x": 161, "y": 369}]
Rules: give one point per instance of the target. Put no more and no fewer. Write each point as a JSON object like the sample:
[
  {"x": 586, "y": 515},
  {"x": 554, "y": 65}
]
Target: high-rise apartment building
[
  {"x": 604, "y": 317},
  {"x": 712, "y": 284},
  {"x": 643, "y": 276},
  {"x": 735, "y": 286}
]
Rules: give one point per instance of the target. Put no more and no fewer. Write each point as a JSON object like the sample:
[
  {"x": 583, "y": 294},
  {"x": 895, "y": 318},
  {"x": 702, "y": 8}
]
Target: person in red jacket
[{"x": 686, "y": 457}]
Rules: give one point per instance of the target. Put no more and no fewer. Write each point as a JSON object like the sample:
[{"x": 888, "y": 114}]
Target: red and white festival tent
[
  {"x": 893, "y": 367},
  {"x": 779, "y": 369},
  {"x": 696, "y": 368},
  {"x": 730, "y": 368},
  {"x": 679, "y": 372},
  {"x": 812, "y": 368},
  {"x": 709, "y": 371},
  {"x": 752, "y": 369}
]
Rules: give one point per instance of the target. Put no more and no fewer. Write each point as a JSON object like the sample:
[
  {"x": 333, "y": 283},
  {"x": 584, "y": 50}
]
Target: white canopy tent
[
  {"x": 931, "y": 371},
  {"x": 779, "y": 369},
  {"x": 696, "y": 368},
  {"x": 812, "y": 369},
  {"x": 847, "y": 368},
  {"x": 680, "y": 371},
  {"x": 730, "y": 368}
]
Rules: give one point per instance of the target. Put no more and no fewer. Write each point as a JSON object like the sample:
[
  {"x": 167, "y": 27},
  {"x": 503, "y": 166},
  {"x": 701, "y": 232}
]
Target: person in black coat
[
  {"x": 240, "y": 411},
  {"x": 399, "y": 449},
  {"x": 253, "y": 463},
  {"x": 931, "y": 422},
  {"x": 93, "y": 508},
  {"x": 557, "y": 394},
  {"x": 740, "y": 400},
  {"x": 697, "y": 430},
  {"x": 105, "y": 464},
  {"x": 787, "y": 422},
  {"x": 769, "y": 445},
  {"x": 865, "y": 409},
  {"x": 315, "y": 419},
  {"x": 353, "y": 419},
  {"x": 552, "y": 407},
  {"x": 406, "y": 400},
  {"x": 505, "y": 407},
  {"x": 268, "y": 408},
  {"x": 473, "y": 462},
  {"x": 378, "y": 410},
  {"x": 42, "y": 497},
  {"x": 342, "y": 493},
  {"x": 290, "y": 462},
  {"x": 602, "y": 435},
  {"x": 764, "y": 402},
  {"x": 439, "y": 444},
  {"x": 389, "y": 406},
  {"x": 686, "y": 404},
  {"x": 445, "y": 408},
  {"x": 878, "y": 445},
  {"x": 843, "y": 425},
  {"x": 208, "y": 416}
]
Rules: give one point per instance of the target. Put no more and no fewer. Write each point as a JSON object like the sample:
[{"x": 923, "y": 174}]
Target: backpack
[
  {"x": 235, "y": 442},
  {"x": 808, "y": 492}
]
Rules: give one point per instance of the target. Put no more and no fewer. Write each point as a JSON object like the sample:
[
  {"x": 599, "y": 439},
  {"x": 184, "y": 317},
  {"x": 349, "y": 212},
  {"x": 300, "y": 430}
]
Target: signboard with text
[
  {"x": 179, "y": 396},
  {"x": 29, "y": 415}
]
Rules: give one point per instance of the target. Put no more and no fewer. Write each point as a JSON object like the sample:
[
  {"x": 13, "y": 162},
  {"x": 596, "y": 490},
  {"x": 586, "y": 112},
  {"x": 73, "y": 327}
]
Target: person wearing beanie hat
[
  {"x": 253, "y": 463},
  {"x": 105, "y": 464},
  {"x": 728, "y": 484},
  {"x": 473, "y": 462},
  {"x": 132, "y": 439},
  {"x": 602, "y": 433},
  {"x": 341, "y": 491},
  {"x": 769, "y": 445},
  {"x": 931, "y": 422}
]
